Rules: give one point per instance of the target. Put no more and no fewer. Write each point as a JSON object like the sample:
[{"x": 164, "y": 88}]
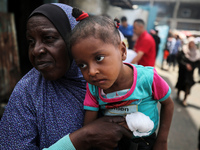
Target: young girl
[{"x": 118, "y": 88}]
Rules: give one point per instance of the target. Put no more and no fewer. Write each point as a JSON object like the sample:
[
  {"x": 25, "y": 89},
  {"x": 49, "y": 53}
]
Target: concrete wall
[
  {"x": 130, "y": 14},
  {"x": 3, "y": 6},
  {"x": 96, "y": 7}
]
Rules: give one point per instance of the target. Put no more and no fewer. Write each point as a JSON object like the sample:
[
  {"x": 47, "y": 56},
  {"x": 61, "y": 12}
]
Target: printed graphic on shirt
[
  {"x": 119, "y": 104},
  {"x": 123, "y": 110}
]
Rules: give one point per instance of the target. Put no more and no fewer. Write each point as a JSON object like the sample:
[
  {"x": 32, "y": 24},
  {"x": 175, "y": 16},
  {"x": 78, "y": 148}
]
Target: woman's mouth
[{"x": 43, "y": 65}]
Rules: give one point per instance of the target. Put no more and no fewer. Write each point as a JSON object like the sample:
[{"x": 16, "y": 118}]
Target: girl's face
[
  {"x": 100, "y": 63},
  {"x": 47, "y": 49}
]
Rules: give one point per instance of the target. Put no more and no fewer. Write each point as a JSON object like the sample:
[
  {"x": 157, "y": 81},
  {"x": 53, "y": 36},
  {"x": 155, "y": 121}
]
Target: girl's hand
[{"x": 103, "y": 133}]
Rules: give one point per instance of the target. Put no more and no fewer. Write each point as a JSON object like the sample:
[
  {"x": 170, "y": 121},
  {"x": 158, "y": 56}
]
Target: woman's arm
[
  {"x": 103, "y": 133},
  {"x": 167, "y": 108}
]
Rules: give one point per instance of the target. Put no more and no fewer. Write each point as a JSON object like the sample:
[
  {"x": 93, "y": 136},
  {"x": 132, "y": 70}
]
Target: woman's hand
[
  {"x": 103, "y": 133},
  {"x": 189, "y": 67}
]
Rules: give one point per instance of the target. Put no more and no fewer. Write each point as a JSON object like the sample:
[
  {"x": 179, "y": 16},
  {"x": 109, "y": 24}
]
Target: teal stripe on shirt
[{"x": 91, "y": 108}]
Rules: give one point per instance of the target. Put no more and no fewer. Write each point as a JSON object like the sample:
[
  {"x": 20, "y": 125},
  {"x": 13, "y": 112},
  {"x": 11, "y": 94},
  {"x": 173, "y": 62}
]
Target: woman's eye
[
  {"x": 49, "y": 39},
  {"x": 30, "y": 42},
  {"x": 100, "y": 58},
  {"x": 82, "y": 66}
]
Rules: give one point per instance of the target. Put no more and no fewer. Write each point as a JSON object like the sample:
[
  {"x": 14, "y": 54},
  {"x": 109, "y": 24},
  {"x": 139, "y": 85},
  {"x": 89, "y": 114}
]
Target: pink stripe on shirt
[{"x": 159, "y": 86}]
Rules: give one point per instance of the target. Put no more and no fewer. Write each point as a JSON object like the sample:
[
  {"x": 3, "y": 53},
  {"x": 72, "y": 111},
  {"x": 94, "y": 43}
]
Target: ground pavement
[{"x": 186, "y": 120}]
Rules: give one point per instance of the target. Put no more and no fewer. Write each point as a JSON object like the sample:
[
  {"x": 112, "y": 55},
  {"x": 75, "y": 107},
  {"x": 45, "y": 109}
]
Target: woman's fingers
[{"x": 103, "y": 133}]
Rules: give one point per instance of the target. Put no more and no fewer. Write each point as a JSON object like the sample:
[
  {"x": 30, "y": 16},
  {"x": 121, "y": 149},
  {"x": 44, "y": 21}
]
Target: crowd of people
[
  {"x": 188, "y": 59},
  {"x": 186, "y": 54},
  {"x": 80, "y": 91}
]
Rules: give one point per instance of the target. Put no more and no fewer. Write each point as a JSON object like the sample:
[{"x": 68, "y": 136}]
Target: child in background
[{"x": 118, "y": 88}]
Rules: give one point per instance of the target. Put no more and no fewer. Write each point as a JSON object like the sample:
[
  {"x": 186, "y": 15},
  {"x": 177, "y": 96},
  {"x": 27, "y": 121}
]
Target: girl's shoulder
[
  {"x": 144, "y": 69},
  {"x": 93, "y": 89},
  {"x": 144, "y": 74}
]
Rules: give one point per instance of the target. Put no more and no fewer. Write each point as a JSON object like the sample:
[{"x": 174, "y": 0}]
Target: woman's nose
[{"x": 38, "y": 49}]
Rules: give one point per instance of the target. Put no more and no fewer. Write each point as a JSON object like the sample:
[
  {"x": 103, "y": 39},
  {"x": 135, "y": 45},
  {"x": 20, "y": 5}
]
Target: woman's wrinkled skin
[{"x": 47, "y": 49}]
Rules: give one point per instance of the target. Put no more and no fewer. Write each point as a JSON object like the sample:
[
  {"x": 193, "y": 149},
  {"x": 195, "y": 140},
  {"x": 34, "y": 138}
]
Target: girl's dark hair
[{"x": 99, "y": 27}]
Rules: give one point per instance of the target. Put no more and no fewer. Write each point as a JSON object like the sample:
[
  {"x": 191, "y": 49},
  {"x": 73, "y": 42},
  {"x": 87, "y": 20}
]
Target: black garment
[
  {"x": 172, "y": 60},
  {"x": 185, "y": 77},
  {"x": 130, "y": 42},
  {"x": 157, "y": 41},
  {"x": 143, "y": 143}
]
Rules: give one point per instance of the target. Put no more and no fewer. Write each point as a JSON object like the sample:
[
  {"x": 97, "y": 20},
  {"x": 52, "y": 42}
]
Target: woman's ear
[{"x": 123, "y": 50}]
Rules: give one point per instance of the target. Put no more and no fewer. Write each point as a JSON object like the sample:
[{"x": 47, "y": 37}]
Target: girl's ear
[{"x": 123, "y": 50}]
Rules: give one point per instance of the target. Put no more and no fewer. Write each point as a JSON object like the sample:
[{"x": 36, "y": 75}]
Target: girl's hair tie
[
  {"x": 78, "y": 14},
  {"x": 117, "y": 23}
]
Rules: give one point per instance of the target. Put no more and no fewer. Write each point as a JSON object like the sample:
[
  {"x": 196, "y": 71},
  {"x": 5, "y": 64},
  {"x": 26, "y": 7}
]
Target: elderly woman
[
  {"x": 45, "y": 109},
  {"x": 188, "y": 60}
]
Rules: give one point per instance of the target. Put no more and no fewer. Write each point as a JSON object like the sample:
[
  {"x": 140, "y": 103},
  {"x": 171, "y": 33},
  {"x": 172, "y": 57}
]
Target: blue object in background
[
  {"x": 151, "y": 17},
  {"x": 163, "y": 34}
]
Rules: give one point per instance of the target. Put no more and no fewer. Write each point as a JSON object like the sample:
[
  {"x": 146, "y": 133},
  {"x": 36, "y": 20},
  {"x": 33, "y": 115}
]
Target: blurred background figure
[
  {"x": 127, "y": 31},
  {"x": 175, "y": 47},
  {"x": 188, "y": 59},
  {"x": 154, "y": 34},
  {"x": 145, "y": 46},
  {"x": 130, "y": 53},
  {"x": 170, "y": 46}
]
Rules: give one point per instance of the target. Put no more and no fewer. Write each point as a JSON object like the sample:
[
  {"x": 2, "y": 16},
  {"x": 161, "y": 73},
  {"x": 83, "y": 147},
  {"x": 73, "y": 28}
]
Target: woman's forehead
[{"x": 39, "y": 20}]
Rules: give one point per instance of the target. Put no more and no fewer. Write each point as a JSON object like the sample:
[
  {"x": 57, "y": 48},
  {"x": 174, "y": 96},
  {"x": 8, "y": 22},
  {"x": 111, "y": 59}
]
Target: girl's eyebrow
[{"x": 99, "y": 51}]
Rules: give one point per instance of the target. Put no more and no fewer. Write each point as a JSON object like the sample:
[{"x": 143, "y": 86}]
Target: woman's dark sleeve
[
  {"x": 197, "y": 64},
  {"x": 181, "y": 58}
]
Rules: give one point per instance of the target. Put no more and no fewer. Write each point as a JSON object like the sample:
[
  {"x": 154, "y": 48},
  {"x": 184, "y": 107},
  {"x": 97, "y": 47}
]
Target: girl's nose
[{"x": 93, "y": 70}]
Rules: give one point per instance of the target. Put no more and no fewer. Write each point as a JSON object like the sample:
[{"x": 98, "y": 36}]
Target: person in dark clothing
[
  {"x": 188, "y": 60},
  {"x": 155, "y": 36}
]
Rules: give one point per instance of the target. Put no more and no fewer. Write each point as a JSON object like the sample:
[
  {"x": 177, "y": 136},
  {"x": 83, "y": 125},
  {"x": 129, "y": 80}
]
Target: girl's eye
[
  {"x": 82, "y": 66},
  {"x": 100, "y": 58}
]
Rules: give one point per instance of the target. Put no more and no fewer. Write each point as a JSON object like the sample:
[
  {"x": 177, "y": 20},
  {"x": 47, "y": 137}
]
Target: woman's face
[
  {"x": 47, "y": 49},
  {"x": 191, "y": 45}
]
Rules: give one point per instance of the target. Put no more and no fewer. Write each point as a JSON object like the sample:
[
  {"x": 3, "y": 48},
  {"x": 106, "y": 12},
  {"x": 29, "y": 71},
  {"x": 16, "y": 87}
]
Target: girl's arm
[
  {"x": 167, "y": 108},
  {"x": 90, "y": 116}
]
